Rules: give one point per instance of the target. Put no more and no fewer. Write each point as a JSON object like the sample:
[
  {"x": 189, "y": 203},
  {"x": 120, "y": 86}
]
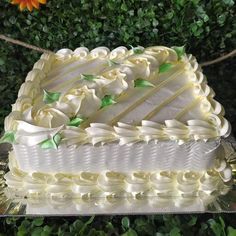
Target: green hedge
[
  {"x": 166, "y": 225},
  {"x": 207, "y": 28}
]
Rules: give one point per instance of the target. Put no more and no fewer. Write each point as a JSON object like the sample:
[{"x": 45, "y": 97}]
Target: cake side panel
[{"x": 169, "y": 156}]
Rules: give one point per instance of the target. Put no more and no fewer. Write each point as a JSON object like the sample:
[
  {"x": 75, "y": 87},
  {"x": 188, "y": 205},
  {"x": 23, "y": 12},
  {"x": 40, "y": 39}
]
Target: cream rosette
[
  {"x": 50, "y": 57},
  {"x": 30, "y": 89},
  {"x": 22, "y": 103},
  {"x": 188, "y": 184},
  {"x": 31, "y": 135},
  {"x": 100, "y": 52},
  {"x": 97, "y": 84},
  {"x": 50, "y": 117},
  {"x": 128, "y": 134},
  {"x": 150, "y": 130},
  {"x": 176, "y": 131},
  {"x": 199, "y": 129},
  {"x": 162, "y": 54},
  {"x": 65, "y": 108},
  {"x": 64, "y": 54},
  {"x": 163, "y": 182},
  {"x": 101, "y": 133},
  {"x": 83, "y": 100},
  {"x": 43, "y": 65},
  {"x": 36, "y": 76},
  {"x": 74, "y": 136},
  {"x": 10, "y": 123},
  {"x": 143, "y": 65},
  {"x": 116, "y": 83},
  {"x": 118, "y": 53},
  {"x": 81, "y": 52}
]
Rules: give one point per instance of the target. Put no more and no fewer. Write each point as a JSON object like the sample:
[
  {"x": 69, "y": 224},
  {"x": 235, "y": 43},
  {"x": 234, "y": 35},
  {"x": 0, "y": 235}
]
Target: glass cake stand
[{"x": 150, "y": 205}]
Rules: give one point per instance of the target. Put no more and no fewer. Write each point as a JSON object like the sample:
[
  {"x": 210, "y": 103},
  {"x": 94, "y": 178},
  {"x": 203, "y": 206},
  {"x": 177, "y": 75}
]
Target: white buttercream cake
[{"x": 120, "y": 123}]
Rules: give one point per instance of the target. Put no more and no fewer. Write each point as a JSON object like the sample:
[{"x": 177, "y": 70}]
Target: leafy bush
[
  {"x": 207, "y": 28},
  {"x": 167, "y": 225}
]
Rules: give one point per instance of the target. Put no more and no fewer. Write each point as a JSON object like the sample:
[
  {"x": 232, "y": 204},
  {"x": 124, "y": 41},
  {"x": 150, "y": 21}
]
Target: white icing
[
  {"x": 110, "y": 184},
  {"x": 50, "y": 117},
  {"x": 29, "y": 89},
  {"x": 84, "y": 98}
]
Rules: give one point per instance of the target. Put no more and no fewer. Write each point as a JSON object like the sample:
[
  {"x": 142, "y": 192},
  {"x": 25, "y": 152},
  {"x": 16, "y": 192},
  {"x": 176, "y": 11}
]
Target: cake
[{"x": 117, "y": 124}]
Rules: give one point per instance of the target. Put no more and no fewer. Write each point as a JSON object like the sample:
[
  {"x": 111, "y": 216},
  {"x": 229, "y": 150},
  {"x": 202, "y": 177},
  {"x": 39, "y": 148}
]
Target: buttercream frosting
[
  {"x": 103, "y": 72},
  {"x": 108, "y": 184}
]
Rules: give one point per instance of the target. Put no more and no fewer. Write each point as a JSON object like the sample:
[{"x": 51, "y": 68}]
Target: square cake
[{"x": 101, "y": 123}]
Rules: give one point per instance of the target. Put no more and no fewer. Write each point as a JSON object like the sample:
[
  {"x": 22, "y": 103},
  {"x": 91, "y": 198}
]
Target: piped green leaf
[
  {"x": 51, "y": 142},
  {"x": 137, "y": 50},
  {"x": 108, "y": 100},
  {"x": 50, "y": 97},
  {"x": 165, "y": 67},
  {"x": 8, "y": 137},
  {"x": 76, "y": 121},
  {"x": 142, "y": 83},
  {"x": 88, "y": 77},
  {"x": 112, "y": 63},
  {"x": 180, "y": 51}
]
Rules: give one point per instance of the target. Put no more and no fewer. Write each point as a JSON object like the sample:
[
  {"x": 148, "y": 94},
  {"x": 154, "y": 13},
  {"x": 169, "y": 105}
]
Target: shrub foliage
[
  {"x": 166, "y": 225},
  {"x": 206, "y": 28}
]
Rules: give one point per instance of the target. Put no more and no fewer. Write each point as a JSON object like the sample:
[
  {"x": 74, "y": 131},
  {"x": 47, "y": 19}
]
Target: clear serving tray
[{"x": 148, "y": 205}]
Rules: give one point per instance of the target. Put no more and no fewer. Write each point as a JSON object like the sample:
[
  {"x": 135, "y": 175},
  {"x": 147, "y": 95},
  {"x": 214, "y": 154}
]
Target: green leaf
[
  {"x": 50, "y": 97},
  {"x": 81, "y": 232},
  {"x": 38, "y": 221},
  {"x": 193, "y": 221},
  {"x": 78, "y": 224},
  {"x": 8, "y": 137},
  {"x": 76, "y": 121},
  {"x": 175, "y": 232},
  {"x": 108, "y": 100},
  {"x": 88, "y": 77},
  {"x": 130, "y": 232},
  {"x": 165, "y": 67},
  {"x": 216, "y": 227},
  {"x": 51, "y": 142},
  {"x": 112, "y": 63},
  {"x": 37, "y": 231},
  {"x": 180, "y": 51},
  {"x": 142, "y": 83},
  {"x": 2, "y": 62},
  {"x": 125, "y": 222},
  {"x": 137, "y": 50},
  {"x": 231, "y": 231},
  {"x": 47, "y": 229}
]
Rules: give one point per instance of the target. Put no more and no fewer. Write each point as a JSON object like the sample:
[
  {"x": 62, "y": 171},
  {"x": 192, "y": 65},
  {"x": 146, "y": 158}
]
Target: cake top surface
[{"x": 100, "y": 96}]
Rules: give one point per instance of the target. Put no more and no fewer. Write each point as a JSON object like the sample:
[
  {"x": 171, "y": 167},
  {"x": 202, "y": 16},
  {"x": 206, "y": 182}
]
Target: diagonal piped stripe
[
  {"x": 167, "y": 101},
  {"x": 187, "y": 108}
]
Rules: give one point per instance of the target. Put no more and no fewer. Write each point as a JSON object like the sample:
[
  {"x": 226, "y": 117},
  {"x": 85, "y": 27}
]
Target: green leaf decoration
[
  {"x": 142, "y": 83},
  {"x": 137, "y": 50},
  {"x": 112, "y": 63},
  {"x": 50, "y": 97},
  {"x": 165, "y": 67},
  {"x": 180, "y": 51},
  {"x": 8, "y": 137},
  {"x": 76, "y": 121},
  {"x": 108, "y": 100},
  {"x": 88, "y": 77},
  {"x": 51, "y": 142}
]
